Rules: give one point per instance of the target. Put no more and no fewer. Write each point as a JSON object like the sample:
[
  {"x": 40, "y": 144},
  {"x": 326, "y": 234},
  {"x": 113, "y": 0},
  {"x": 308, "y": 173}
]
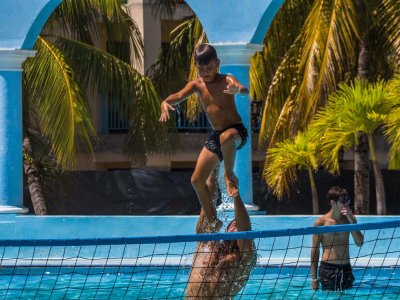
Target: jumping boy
[
  {"x": 228, "y": 134},
  {"x": 335, "y": 272}
]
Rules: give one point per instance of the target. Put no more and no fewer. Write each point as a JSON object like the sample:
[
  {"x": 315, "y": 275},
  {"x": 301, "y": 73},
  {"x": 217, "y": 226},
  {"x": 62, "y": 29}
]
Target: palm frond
[
  {"x": 392, "y": 128},
  {"x": 163, "y": 8},
  {"x": 321, "y": 55},
  {"x": 175, "y": 65},
  {"x": 387, "y": 17},
  {"x": 60, "y": 103},
  {"x": 285, "y": 158},
  {"x": 147, "y": 135},
  {"x": 118, "y": 80},
  {"x": 80, "y": 20},
  {"x": 354, "y": 107},
  {"x": 282, "y": 33},
  {"x": 328, "y": 52},
  {"x": 41, "y": 156},
  {"x": 279, "y": 102}
]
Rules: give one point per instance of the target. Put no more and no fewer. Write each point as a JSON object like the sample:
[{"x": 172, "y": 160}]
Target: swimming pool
[
  {"x": 146, "y": 271},
  {"x": 170, "y": 283}
]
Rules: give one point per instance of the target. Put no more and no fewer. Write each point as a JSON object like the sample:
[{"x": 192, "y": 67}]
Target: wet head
[
  {"x": 207, "y": 62},
  {"x": 337, "y": 195}
]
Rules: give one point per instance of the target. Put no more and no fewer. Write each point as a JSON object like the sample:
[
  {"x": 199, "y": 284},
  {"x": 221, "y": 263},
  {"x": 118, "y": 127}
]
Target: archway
[{"x": 20, "y": 24}]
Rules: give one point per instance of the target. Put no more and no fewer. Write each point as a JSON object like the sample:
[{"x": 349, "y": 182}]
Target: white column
[{"x": 235, "y": 60}]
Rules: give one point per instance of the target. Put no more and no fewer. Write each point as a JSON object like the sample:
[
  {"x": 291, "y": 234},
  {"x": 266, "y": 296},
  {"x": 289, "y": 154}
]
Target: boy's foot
[
  {"x": 232, "y": 185},
  {"x": 214, "y": 226}
]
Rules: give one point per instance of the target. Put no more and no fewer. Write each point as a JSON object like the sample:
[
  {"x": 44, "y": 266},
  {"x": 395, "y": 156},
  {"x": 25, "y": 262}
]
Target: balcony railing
[{"x": 116, "y": 119}]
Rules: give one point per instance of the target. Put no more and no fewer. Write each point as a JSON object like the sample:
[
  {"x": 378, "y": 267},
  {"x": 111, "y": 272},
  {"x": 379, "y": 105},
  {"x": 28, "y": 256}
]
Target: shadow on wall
[{"x": 144, "y": 192}]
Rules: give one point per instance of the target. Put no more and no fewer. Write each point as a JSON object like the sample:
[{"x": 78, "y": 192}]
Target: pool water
[{"x": 170, "y": 283}]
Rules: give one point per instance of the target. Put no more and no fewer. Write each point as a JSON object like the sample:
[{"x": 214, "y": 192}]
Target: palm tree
[
  {"x": 286, "y": 158},
  {"x": 392, "y": 129},
  {"x": 353, "y": 108},
  {"x": 309, "y": 48},
  {"x": 339, "y": 40},
  {"x": 68, "y": 65}
]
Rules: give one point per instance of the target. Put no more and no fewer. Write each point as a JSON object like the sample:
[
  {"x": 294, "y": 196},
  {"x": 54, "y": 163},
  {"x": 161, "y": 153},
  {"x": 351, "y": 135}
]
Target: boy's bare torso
[
  {"x": 220, "y": 107},
  {"x": 335, "y": 245}
]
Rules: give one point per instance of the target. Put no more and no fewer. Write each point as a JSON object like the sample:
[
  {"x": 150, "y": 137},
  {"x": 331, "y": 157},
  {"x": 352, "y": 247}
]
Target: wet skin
[{"x": 216, "y": 92}]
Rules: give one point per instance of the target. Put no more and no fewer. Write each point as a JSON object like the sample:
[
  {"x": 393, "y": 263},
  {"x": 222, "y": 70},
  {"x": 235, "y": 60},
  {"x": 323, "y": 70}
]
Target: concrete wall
[{"x": 109, "y": 154}]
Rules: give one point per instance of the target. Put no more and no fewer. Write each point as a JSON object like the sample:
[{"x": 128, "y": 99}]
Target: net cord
[{"x": 200, "y": 237}]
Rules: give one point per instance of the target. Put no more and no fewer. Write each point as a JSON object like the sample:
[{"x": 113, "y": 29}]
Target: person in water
[
  {"x": 228, "y": 133},
  {"x": 335, "y": 272},
  {"x": 220, "y": 269}
]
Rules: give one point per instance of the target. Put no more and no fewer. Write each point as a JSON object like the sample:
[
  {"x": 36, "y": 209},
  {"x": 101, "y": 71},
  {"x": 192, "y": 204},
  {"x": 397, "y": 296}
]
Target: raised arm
[
  {"x": 242, "y": 223},
  {"x": 173, "y": 99},
  {"x": 235, "y": 87},
  {"x": 357, "y": 235}
]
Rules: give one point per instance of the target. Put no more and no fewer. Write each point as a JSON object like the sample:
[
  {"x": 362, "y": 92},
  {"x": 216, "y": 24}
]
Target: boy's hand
[
  {"x": 346, "y": 211},
  {"x": 165, "y": 107},
  {"x": 232, "y": 89}
]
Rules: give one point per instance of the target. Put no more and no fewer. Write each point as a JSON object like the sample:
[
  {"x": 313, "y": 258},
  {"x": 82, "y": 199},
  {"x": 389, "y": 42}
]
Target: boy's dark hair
[
  {"x": 336, "y": 193},
  {"x": 204, "y": 54}
]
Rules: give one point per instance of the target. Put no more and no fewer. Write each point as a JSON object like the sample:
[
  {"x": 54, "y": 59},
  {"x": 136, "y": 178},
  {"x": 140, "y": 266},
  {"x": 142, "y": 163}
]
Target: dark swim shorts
[
  {"x": 212, "y": 143},
  {"x": 335, "y": 277}
]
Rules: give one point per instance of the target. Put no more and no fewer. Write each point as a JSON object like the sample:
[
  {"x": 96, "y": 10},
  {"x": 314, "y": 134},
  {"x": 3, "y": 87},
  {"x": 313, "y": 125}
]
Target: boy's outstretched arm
[
  {"x": 234, "y": 87},
  {"x": 168, "y": 103}
]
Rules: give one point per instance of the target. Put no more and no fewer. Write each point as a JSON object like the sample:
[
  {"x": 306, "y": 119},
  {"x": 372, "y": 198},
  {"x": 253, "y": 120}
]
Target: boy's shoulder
[{"x": 322, "y": 221}]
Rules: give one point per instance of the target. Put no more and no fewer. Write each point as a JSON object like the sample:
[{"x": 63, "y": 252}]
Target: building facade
[{"x": 112, "y": 126}]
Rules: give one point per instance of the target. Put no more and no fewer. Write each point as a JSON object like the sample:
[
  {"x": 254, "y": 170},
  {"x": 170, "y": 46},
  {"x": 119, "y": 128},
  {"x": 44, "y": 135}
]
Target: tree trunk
[
  {"x": 379, "y": 185},
  {"x": 361, "y": 175},
  {"x": 314, "y": 194},
  {"x": 35, "y": 189},
  {"x": 361, "y": 153}
]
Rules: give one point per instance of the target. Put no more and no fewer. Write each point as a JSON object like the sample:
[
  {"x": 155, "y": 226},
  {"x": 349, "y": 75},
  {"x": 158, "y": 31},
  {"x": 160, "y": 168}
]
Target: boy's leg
[
  {"x": 205, "y": 165},
  {"x": 230, "y": 140}
]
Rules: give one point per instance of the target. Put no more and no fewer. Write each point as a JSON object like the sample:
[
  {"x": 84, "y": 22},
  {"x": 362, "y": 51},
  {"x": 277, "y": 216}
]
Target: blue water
[{"x": 170, "y": 283}]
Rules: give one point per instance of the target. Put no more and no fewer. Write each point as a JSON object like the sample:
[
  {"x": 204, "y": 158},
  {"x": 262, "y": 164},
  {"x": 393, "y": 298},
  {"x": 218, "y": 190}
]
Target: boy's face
[
  {"x": 344, "y": 201},
  {"x": 209, "y": 71}
]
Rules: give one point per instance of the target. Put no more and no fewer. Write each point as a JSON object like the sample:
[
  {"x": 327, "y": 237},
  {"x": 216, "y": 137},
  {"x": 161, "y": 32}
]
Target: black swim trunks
[
  {"x": 212, "y": 143},
  {"x": 335, "y": 277}
]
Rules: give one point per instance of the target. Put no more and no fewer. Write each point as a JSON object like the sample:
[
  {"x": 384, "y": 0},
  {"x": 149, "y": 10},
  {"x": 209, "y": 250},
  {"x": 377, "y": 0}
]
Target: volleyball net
[{"x": 159, "y": 267}]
